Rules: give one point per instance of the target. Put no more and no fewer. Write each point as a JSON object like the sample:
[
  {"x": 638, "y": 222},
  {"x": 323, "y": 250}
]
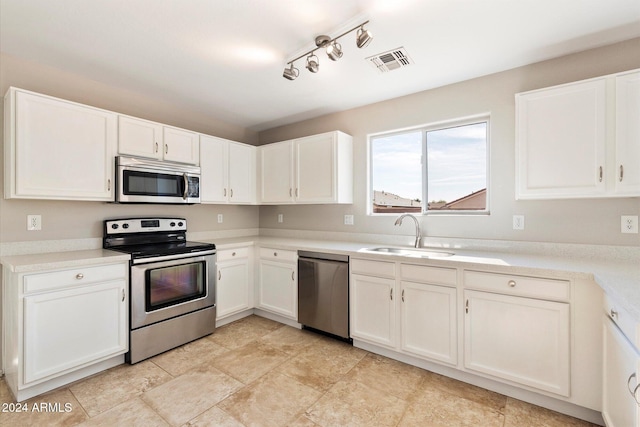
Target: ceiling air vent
[{"x": 391, "y": 60}]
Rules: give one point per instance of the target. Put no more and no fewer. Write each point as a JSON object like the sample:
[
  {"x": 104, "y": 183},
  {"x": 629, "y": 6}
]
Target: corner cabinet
[
  {"x": 143, "y": 138},
  {"x": 566, "y": 146},
  {"x": 227, "y": 171},
  {"x": 316, "y": 169},
  {"x": 58, "y": 322},
  {"x": 56, "y": 149},
  {"x": 278, "y": 282}
]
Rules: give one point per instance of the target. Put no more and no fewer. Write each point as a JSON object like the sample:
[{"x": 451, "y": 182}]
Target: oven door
[{"x": 166, "y": 289}]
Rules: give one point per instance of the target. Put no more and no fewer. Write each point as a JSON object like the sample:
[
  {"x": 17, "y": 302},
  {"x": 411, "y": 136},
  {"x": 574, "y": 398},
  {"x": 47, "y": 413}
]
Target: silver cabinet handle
[
  {"x": 290, "y": 192},
  {"x": 613, "y": 314},
  {"x": 233, "y": 254},
  {"x": 296, "y": 192},
  {"x": 109, "y": 185},
  {"x": 293, "y": 275},
  {"x": 231, "y": 192},
  {"x": 391, "y": 294},
  {"x": 512, "y": 283},
  {"x": 621, "y": 172},
  {"x": 633, "y": 392},
  {"x": 466, "y": 306},
  {"x": 79, "y": 276},
  {"x": 156, "y": 147},
  {"x": 219, "y": 274},
  {"x": 275, "y": 254},
  {"x": 600, "y": 174},
  {"x": 166, "y": 148},
  {"x": 224, "y": 192},
  {"x": 402, "y": 295},
  {"x": 123, "y": 295}
]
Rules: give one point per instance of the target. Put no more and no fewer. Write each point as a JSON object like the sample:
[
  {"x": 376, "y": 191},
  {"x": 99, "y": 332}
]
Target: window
[{"x": 452, "y": 179}]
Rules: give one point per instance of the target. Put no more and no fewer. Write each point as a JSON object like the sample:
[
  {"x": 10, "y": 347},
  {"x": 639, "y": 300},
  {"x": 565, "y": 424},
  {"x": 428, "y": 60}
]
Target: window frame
[{"x": 423, "y": 129}]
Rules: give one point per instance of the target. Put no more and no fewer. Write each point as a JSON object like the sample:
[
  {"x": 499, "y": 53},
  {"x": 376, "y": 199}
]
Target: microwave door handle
[{"x": 186, "y": 186}]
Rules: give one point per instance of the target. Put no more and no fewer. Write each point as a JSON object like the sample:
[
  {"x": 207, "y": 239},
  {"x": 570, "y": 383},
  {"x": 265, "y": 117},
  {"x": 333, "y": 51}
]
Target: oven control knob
[
  {"x": 180, "y": 224},
  {"x": 173, "y": 224},
  {"x": 125, "y": 225},
  {"x": 114, "y": 226}
]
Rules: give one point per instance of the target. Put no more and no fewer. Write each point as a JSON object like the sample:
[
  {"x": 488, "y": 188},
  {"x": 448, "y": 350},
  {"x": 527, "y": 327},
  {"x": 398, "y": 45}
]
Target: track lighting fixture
[{"x": 333, "y": 50}]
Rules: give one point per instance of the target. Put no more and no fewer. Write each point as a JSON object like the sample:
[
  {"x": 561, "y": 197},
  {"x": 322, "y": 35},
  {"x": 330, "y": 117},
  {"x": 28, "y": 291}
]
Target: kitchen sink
[{"x": 421, "y": 253}]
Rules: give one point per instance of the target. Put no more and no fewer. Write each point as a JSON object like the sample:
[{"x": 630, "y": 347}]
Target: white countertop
[{"x": 620, "y": 279}]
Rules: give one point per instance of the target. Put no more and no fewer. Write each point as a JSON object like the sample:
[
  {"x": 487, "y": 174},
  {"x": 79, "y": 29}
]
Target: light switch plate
[
  {"x": 34, "y": 222},
  {"x": 348, "y": 220},
  {"x": 629, "y": 224},
  {"x": 220, "y": 218},
  {"x": 280, "y": 218}
]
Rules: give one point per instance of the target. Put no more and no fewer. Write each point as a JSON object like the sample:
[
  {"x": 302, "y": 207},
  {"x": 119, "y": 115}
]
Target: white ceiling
[{"x": 226, "y": 57}]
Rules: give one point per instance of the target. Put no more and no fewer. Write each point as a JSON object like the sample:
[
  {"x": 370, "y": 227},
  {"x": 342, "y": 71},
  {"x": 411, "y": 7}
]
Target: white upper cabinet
[
  {"x": 628, "y": 134},
  {"x": 313, "y": 170},
  {"x": 227, "y": 171},
  {"x": 138, "y": 137},
  {"x": 56, "y": 149},
  {"x": 576, "y": 140}
]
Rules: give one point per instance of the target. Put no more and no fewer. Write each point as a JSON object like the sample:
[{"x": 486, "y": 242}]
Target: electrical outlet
[
  {"x": 518, "y": 222},
  {"x": 34, "y": 222},
  {"x": 220, "y": 218},
  {"x": 280, "y": 218},
  {"x": 629, "y": 224},
  {"x": 348, "y": 220}
]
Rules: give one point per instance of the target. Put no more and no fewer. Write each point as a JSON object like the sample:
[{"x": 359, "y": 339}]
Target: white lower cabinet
[
  {"x": 233, "y": 290},
  {"x": 66, "y": 329},
  {"x": 57, "y": 323},
  {"x": 278, "y": 282},
  {"x": 523, "y": 340},
  {"x": 429, "y": 321},
  {"x": 621, "y": 371},
  {"x": 373, "y": 310}
]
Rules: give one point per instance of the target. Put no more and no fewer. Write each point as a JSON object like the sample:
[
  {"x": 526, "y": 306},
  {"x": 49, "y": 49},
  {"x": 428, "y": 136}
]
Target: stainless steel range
[{"x": 172, "y": 283}]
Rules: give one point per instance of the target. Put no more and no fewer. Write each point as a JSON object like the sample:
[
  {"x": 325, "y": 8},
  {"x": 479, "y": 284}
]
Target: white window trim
[{"x": 468, "y": 120}]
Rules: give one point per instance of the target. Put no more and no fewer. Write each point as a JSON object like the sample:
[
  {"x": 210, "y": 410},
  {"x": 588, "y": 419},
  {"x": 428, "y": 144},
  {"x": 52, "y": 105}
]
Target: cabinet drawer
[
  {"x": 231, "y": 254},
  {"x": 278, "y": 255},
  {"x": 622, "y": 318},
  {"x": 518, "y": 285},
  {"x": 373, "y": 268},
  {"x": 426, "y": 274},
  {"x": 73, "y": 277}
]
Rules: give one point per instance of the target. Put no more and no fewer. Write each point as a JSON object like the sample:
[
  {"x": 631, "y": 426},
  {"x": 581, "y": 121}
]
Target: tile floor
[{"x": 256, "y": 372}]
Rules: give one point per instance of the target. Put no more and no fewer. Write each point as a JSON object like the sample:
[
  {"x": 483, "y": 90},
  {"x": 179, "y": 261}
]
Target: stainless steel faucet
[{"x": 418, "y": 237}]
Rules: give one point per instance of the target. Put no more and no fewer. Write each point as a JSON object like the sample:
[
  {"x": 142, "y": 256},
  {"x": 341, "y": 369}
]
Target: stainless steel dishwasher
[{"x": 323, "y": 292}]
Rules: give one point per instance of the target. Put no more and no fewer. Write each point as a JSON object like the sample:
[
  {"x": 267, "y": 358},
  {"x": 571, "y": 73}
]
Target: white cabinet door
[
  {"x": 315, "y": 166},
  {"x": 276, "y": 176},
  {"x": 181, "y": 146},
  {"x": 137, "y": 137},
  {"x": 214, "y": 169},
  {"x": 372, "y": 308},
  {"x": 621, "y": 368},
  {"x": 561, "y": 141},
  {"x": 58, "y": 149},
  {"x": 523, "y": 340},
  {"x": 242, "y": 173},
  {"x": 278, "y": 288},
  {"x": 232, "y": 291},
  {"x": 628, "y": 134},
  {"x": 429, "y": 327},
  {"x": 68, "y": 329}
]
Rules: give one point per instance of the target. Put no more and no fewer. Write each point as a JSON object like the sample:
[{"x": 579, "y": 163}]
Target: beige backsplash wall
[
  {"x": 79, "y": 220},
  {"x": 595, "y": 221}
]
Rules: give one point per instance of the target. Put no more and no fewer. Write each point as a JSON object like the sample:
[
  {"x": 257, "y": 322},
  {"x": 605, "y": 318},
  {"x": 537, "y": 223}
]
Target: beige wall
[
  {"x": 76, "y": 220},
  {"x": 568, "y": 221}
]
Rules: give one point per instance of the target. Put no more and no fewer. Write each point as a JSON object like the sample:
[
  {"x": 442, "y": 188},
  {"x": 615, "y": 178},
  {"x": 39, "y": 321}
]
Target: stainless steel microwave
[{"x": 140, "y": 180}]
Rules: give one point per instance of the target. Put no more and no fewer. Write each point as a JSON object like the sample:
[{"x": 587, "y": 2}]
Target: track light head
[
  {"x": 313, "y": 64},
  {"x": 290, "y": 73},
  {"x": 334, "y": 51},
  {"x": 363, "y": 37}
]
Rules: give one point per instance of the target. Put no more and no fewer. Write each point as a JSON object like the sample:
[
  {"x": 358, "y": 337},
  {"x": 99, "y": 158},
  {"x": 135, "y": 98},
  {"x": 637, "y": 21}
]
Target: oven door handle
[
  {"x": 186, "y": 186},
  {"x": 172, "y": 257}
]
